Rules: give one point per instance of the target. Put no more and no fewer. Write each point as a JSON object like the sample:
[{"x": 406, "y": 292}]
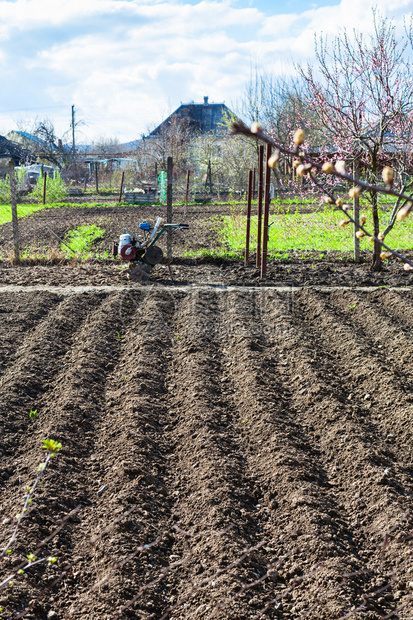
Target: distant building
[
  {"x": 10, "y": 152},
  {"x": 199, "y": 118}
]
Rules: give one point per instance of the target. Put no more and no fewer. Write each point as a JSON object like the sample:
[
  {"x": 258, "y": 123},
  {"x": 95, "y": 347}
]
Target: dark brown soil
[
  {"x": 232, "y": 454},
  {"x": 33, "y": 233},
  {"x": 221, "y": 272}
]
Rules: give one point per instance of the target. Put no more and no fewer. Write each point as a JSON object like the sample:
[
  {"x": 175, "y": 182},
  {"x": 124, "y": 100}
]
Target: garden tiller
[{"x": 145, "y": 253}]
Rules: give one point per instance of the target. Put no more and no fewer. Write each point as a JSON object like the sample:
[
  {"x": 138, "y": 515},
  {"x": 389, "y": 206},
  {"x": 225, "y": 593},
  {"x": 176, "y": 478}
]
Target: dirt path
[{"x": 232, "y": 452}]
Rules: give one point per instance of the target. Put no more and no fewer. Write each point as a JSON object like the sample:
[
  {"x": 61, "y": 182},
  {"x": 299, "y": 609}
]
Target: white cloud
[{"x": 121, "y": 61}]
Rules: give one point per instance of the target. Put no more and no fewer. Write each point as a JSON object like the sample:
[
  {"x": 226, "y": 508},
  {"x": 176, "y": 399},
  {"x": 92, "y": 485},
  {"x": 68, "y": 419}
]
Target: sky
[{"x": 127, "y": 64}]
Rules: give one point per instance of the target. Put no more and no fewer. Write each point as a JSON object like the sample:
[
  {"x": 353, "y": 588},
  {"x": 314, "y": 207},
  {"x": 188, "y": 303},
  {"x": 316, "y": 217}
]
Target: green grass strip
[{"x": 310, "y": 231}]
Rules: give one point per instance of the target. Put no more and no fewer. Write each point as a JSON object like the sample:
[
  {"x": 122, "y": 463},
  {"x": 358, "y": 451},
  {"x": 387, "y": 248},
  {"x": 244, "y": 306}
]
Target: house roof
[
  {"x": 200, "y": 117},
  {"x": 11, "y": 151}
]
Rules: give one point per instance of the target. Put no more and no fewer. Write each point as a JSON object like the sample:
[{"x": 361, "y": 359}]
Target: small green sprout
[
  {"x": 118, "y": 335},
  {"x": 9, "y": 551},
  {"x": 353, "y": 306},
  {"x": 33, "y": 413},
  {"x": 51, "y": 560},
  {"x": 21, "y": 571},
  {"x": 30, "y": 557},
  {"x": 52, "y": 445},
  {"x": 41, "y": 467}
]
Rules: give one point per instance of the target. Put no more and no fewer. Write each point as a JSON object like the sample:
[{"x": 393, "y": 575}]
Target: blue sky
[{"x": 126, "y": 64}]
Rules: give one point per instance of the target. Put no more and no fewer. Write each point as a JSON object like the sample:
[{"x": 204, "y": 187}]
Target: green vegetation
[
  {"x": 25, "y": 210},
  {"x": 82, "y": 238},
  {"x": 56, "y": 189},
  {"x": 307, "y": 232}
]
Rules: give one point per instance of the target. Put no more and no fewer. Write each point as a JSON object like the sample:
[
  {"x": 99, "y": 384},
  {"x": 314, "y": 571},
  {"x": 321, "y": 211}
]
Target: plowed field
[{"x": 230, "y": 454}]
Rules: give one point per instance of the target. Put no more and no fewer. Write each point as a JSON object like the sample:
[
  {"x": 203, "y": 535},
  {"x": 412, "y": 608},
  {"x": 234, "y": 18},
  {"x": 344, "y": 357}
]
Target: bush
[
  {"x": 5, "y": 191},
  {"x": 56, "y": 190}
]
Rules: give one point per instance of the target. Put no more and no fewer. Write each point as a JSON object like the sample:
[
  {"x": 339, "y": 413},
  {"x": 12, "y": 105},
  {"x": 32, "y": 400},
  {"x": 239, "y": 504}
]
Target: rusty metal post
[
  {"x": 121, "y": 186},
  {"x": 44, "y": 187},
  {"x": 356, "y": 214},
  {"x": 266, "y": 215},
  {"x": 247, "y": 237},
  {"x": 260, "y": 188},
  {"x": 13, "y": 203},
  {"x": 96, "y": 178},
  {"x": 188, "y": 174},
  {"x": 254, "y": 172},
  {"x": 169, "y": 214}
]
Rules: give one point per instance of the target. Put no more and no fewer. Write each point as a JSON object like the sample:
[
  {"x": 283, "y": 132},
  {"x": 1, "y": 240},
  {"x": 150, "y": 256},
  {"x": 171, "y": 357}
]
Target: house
[
  {"x": 198, "y": 118},
  {"x": 11, "y": 153},
  {"x": 44, "y": 152}
]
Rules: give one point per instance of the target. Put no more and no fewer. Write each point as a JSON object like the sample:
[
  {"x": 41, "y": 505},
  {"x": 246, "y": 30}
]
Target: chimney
[{"x": 205, "y": 100}]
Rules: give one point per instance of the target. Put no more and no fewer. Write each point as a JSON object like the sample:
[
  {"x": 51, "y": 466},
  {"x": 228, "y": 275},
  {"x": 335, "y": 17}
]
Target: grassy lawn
[
  {"x": 25, "y": 210},
  {"x": 309, "y": 231}
]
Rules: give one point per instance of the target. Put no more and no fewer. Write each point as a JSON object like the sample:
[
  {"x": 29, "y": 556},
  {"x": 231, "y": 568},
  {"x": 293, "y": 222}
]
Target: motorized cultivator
[{"x": 144, "y": 255}]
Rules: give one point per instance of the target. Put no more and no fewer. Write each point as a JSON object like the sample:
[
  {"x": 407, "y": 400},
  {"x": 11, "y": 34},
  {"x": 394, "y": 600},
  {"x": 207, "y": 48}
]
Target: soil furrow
[
  {"x": 377, "y": 505},
  {"x": 18, "y": 315},
  {"x": 214, "y": 498},
  {"x": 71, "y": 404},
  {"x": 39, "y": 358},
  {"x": 128, "y": 466},
  {"x": 234, "y": 453},
  {"x": 279, "y": 451}
]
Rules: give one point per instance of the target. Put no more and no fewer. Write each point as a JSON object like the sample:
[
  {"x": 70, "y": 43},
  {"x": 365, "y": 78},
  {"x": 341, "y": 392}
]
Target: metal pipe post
[
  {"x": 266, "y": 215},
  {"x": 260, "y": 188},
  {"x": 13, "y": 202},
  {"x": 169, "y": 214},
  {"x": 121, "y": 186},
  {"x": 247, "y": 237},
  {"x": 44, "y": 187}
]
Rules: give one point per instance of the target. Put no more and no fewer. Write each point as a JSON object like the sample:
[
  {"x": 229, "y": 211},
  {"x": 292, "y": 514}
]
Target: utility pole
[{"x": 73, "y": 131}]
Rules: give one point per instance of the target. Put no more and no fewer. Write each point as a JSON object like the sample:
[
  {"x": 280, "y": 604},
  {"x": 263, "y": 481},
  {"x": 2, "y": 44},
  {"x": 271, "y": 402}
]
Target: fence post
[
  {"x": 260, "y": 188},
  {"x": 121, "y": 186},
  {"x": 13, "y": 203},
  {"x": 266, "y": 215},
  {"x": 44, "y": 187},
  {"x": 356, "y": 206},
  {"x": 169, "y": 207},
  {"x": 188, "y": 174},
  {"x": 254, "y": 172},
  {"x": 96, "y": 178},
  {"x": 247, "y": 237}
]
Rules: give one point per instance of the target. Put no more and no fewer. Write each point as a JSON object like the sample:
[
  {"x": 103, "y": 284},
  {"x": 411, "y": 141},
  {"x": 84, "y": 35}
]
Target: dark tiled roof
[
  {"x": 11, "y": 150},
  {"x": 201, "y": 117}
]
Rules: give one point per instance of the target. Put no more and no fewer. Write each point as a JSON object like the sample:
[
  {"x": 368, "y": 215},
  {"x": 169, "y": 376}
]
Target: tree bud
[
  {"x": 296, "y": 163},
  {"x": 360, "y": 234},
  {"x": 385, "y": 255},
  {"x": 403, "y": 213},
  {"x": 340, "y": 167},
  {"x": 299, "y": 137},
  {"x": 273, "y": 160},
  {"x": 339, "y": 202},
  {"x": 354, "y": 192},
  {"x": 380, "y": 236},
  {"x": 256, "y": 127},
  {"x": 327, "y": 167},
  {"x": 363, "y": 220},
  {"x": 388, "y": 175},
  {"x": 301, "y": 170},
  {"x": 407, "y": 267},
  {"x": 328, "y": 200},
  {"x": 343, "y": 223}
]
